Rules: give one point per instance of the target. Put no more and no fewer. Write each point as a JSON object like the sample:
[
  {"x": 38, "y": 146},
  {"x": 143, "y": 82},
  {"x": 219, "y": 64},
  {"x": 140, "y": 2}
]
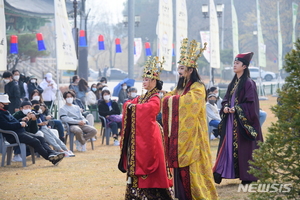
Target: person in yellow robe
[{"x": 185, "y": 130}]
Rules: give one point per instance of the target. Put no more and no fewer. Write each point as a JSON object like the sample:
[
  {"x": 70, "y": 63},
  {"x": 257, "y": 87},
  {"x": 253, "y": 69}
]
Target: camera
[{"x": 37, "y": 115}]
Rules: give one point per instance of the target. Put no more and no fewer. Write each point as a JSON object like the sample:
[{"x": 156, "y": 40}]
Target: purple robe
[{"x": 238, "y": 140}]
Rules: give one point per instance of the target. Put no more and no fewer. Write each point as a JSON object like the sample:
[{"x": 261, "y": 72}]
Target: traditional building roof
[{"x": 39, "y": 8}]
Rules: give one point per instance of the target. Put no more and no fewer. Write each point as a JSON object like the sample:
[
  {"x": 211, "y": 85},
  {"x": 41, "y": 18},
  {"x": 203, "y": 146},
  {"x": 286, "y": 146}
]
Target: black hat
[
  {"x": 25, "y": 103},
  {"x": 245, "y": 57},
  {"x": 35, "y": 102}
]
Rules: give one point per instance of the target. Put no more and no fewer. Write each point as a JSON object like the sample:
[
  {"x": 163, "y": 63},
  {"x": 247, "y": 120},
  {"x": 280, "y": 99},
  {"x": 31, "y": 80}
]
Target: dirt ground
[{"x": 91, "y": 175}]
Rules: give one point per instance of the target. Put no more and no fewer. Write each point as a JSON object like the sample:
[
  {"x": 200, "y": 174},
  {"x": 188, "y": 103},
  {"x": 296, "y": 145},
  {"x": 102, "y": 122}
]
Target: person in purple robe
[{"x": 239, "y": 128}]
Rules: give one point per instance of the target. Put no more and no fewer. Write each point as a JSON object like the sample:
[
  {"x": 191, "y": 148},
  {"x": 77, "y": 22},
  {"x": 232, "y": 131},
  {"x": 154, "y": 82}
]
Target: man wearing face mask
[
  {"x": 13, "y": 91},
  {"x": 72, "y": 115},
  {"x": 122, "y": 94},
  {"x": 18, "y": 82},
  {"x": 212, "y": 112},
  {"x": 8, "y": 122},
  {"x": 32, "y": 85},
  {"x": 27, "y": 116}
]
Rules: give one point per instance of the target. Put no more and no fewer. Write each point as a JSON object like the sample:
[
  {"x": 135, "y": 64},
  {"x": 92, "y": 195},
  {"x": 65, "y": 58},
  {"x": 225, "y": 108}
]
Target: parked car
[
  {"x": 93, "y": 74},
  {"x": 117, "y": 74},
  {"x": 267, "y": 75}
]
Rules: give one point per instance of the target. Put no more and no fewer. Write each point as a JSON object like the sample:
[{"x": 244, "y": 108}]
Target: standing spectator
[
  {"x": 103, "y": 80},
  {"x": 105, "y": 71},
  {"x": 49, "y": 86},
  {"x": 239, "y": 129},
  {"x": 32, "y": 85},
  {"x": 13, "y": 91},
  {"x": 74, "y": 84},
  {"x": 18, "y": 81},
  {"x": 83, "y": 88},
  {"x": 71, "y": 114},
  {"x": 122, "y": 94}
]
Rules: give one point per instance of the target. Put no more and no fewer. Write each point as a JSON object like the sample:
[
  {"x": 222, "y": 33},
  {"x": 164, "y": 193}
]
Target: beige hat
[{"x": 4, "y": 98}]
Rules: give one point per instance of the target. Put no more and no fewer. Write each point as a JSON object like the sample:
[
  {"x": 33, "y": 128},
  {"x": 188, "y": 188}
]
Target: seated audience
[
  {"x": 8, "y": 122},
  {"x": 72, "y": 115},
  {"x": 54, "y": 123},
  {"x": 215, "y": 91},
  {"x": 25, "y": 114},
  {"x": 111, "y": 111},
  {"x": 49, "y": 136},
  {"x": 212, "y": 112}
]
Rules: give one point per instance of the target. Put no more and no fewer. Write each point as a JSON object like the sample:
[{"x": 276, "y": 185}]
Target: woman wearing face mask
[
  {"x": 36, "y": 95},
  {"x": 33, "y": 85},
  {"x": 13, "y": 91},
  {"x": 91, "y": 99},
  {"x": 212, "y": 112},
  {"x": 111, "y": 111}
]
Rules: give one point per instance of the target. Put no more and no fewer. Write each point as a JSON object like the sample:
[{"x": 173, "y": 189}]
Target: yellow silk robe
[{"x": 185, "y": 127}]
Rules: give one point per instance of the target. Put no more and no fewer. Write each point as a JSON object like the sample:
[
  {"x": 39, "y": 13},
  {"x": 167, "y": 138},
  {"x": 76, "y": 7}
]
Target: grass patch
[{"x": 92, "y": 174}]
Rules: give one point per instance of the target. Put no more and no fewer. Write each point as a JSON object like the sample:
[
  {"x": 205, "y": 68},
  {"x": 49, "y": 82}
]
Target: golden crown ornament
[
  {"x": 190, "y": 52},
  {"x": 153, "y": 68}
]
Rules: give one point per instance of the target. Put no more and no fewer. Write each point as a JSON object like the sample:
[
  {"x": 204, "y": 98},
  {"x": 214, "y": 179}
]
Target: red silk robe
[{"x": 142, "y": 145}]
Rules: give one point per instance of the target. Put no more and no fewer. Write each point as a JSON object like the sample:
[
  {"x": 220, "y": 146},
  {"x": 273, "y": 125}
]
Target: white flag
[
  {"x": 165, "y": 33},
  {"x": 205, "y": 38},
  {"x": 3, "y": 42},
  {"x": 181, "y": 25},
  {"x": 65, "y": 47},
  {"x": 214, "y": 36},
  {"x": 138, "y": 49}
]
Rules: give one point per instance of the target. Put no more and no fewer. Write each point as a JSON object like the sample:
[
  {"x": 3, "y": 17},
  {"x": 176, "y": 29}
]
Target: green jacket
[{"x": 31, "y": 127}]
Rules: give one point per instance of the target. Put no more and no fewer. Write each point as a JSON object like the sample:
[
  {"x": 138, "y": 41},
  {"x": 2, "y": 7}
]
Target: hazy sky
[{"x": 113, "y": 7}]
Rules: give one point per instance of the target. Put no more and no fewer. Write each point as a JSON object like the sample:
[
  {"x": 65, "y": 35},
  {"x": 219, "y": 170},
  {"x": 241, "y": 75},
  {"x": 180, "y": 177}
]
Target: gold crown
[
  {"x": 153, "y": 68},
  {"x": 189, "y": 55}
]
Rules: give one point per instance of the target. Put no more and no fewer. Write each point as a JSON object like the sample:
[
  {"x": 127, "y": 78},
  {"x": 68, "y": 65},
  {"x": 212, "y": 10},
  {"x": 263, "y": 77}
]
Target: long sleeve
[
  {"x": 71, "y": 114},
  {"x": 104, "y": 110},
  {"x": 212, "y": 112},
  {"x": 91, "y": 98},
  {"x": 8, "y": 122}
]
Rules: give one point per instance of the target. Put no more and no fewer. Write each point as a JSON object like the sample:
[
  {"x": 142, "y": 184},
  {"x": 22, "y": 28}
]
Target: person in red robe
[
  {"x": 239, "y": 128},
  {"x": 142, "y": 142}
]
